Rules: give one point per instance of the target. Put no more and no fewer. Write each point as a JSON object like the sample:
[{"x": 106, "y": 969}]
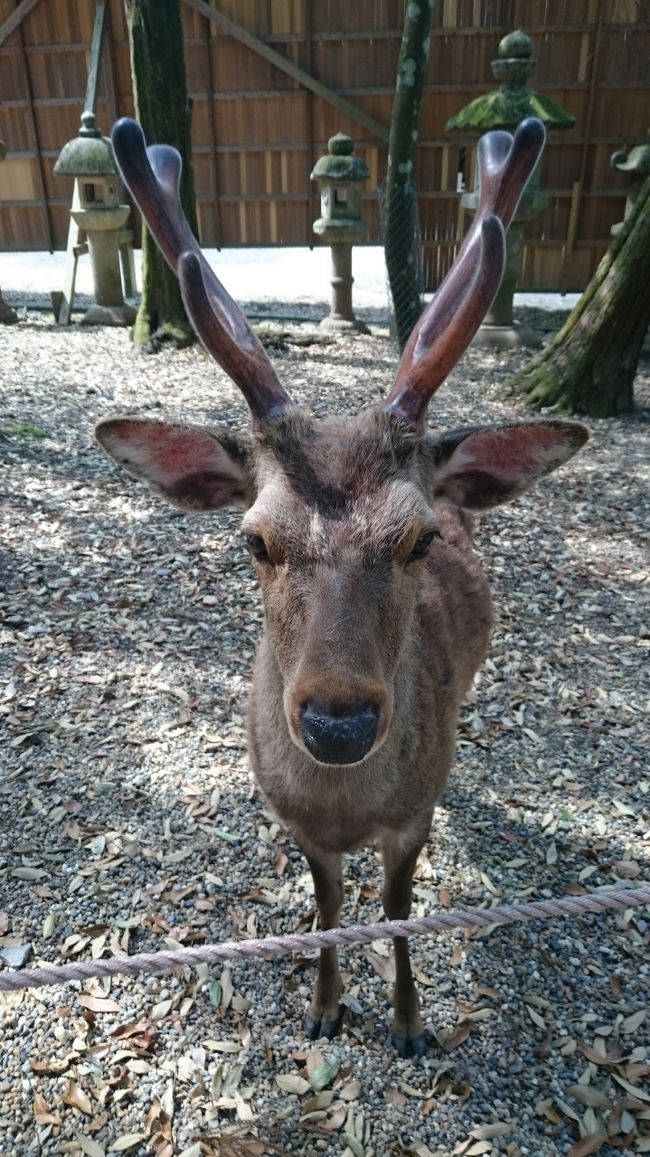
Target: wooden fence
[{"x": 271, "y": 80}]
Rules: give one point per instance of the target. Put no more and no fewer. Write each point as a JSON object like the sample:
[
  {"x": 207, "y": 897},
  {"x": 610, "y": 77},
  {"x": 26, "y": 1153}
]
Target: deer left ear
[
  {"x": 484, "y": 466},
  {"x": 192, "y": 467}
]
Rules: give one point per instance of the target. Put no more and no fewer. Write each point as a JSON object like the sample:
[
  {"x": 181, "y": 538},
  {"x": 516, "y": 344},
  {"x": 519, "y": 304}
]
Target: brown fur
[
  {"x": 347, "y": 618},
  {"x": 353, "y": 616},
  {"x": 377, "y": 612}
]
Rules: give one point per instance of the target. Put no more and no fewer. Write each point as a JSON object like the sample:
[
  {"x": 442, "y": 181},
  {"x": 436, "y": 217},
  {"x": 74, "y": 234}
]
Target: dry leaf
[
  {"x": 76, "y": 1097},
  {"x": 97, "y": 1003},
  {"x": 384, "y": 966},
  {"x": 632, "y": 1023},
  {"x": 456, "y": 1036},
  {"x": 588, "y": 1095},
  {"x": 90, "y": 1147},
  {"x": 292, "y": 1083},
  {"x": 586, "y": 1145},
  {"x": 126, "y": 1141},
  {"x": 496, "y": 1129},
  {"x": 325, "y": 1073}
]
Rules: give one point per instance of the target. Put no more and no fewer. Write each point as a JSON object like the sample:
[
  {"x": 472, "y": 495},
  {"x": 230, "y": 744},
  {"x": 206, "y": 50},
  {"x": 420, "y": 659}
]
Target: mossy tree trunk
[
  {"x": 589, "y": 366},
  {"x": 7, "y": 314},
  {"x": 162, "y": 108},
  {"x": 400, "y": 204}
]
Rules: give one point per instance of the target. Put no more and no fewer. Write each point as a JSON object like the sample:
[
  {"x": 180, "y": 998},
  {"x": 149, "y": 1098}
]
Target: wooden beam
[
  {"x": 36, "y": 144},
  {"x": 17, "y": 16},
  {"x": 95, "y": 59},
  {"x": 212, "y": 131},
  {"x": 107, "y": 69},
  {"x": 328, "y": 94}
]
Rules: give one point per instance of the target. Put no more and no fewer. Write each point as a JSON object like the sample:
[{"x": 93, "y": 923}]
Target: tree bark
[
  {"x": 8, "y": 314},
  {"x": 400, "y": 204},
  {"x": 162, "y": 108},
  {"x": 590, "y": 365}
]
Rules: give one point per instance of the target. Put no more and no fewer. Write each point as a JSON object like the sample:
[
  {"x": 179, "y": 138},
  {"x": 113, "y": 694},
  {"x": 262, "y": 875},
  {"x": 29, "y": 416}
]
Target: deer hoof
[
  {"x": 410, "y": 1046},
  {"x": 316, "y": 1028}
]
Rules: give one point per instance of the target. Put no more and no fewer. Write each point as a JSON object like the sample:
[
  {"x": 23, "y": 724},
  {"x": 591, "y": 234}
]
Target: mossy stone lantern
[
  {"x": 340, "y": 175},
  {"x": 97, "y": 211},
  {"x": 505, "y": 108}
]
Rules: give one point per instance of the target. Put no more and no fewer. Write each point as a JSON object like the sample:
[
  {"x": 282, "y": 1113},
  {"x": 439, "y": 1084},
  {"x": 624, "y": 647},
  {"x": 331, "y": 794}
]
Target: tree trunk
[
  {"x": 8, "y": 314},
  {"x": 400, "y": 203},
  {"x": 589, "y": 366},
  {"x": 162, "y": 108}
]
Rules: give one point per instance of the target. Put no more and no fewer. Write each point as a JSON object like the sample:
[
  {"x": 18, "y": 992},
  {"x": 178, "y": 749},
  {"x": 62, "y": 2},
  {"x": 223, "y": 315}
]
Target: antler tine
[
  {"x": 449, "y": 323},
  {"x": 152, "y": 176}
]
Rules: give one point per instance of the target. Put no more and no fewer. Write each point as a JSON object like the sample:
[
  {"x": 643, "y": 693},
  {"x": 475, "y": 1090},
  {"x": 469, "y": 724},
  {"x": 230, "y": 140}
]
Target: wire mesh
[{"x": 402, "y": 240}]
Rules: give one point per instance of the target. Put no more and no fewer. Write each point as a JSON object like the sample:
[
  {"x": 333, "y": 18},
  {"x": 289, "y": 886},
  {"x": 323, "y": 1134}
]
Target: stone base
[
  {"x": 333, "y": 324},
  {"x": 505, "y": 337},
  {"x": 109, "y": 315}
]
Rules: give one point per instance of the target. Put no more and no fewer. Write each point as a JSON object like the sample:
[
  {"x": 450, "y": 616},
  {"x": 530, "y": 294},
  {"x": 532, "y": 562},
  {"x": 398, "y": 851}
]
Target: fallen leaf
[
  {"x": 76, "y": 1097},
  {"x": 126, "y": 1141},
  {"x": 97, "y": 1003},
  {"x": 324, "y": 1074},
  {"x": 456, "y": 1036},
  {"x": 586, "y": 1145},
  {"x": 90, "y": 1147},
  {"x": 292, "y": 1083},
  {"x": 588, "y": 1095}
]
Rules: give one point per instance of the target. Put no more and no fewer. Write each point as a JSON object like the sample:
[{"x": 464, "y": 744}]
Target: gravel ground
[{"x": 128, "y": 820}]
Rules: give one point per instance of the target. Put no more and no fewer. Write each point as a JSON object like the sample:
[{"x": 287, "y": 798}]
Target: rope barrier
[{"x": 272, "y": 946}]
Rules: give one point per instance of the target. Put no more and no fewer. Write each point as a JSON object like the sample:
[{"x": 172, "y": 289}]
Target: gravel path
[{"x": 128, "y": 819}]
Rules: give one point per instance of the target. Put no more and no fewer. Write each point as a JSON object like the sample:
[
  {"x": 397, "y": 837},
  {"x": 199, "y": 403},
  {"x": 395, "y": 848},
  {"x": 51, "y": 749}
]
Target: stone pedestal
[
  {"x": 341, "y": 318},
  {"x": 499, "y": 329},
  {"x": 340, "y": 175},
  {"x": 102, "y": 228}
]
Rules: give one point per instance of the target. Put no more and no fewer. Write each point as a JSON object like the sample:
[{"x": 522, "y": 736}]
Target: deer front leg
[
  {"x": 399, "y": 856},
  {"x": 324, "y": 1017}
]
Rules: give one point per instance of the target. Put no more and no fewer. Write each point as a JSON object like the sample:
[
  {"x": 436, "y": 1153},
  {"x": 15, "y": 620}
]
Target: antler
[
  {"x": 448, "y": 325},
  {"x": 152, "y": 176}
]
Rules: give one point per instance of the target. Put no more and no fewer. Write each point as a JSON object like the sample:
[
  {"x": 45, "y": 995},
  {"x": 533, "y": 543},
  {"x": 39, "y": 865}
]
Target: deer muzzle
[{"x": 343, "y": 737}]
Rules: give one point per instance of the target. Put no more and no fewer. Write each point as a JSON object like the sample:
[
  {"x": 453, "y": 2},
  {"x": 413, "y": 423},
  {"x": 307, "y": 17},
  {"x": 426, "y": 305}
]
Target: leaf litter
[{"x": 129, "y": 822}]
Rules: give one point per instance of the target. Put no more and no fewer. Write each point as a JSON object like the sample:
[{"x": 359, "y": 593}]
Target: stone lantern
[
  {"x": 505, "y": 108},
  {"x": 636, "y": 164},
  {"x": 339, "y": 175},
  {"x": 97, "y": 211}
]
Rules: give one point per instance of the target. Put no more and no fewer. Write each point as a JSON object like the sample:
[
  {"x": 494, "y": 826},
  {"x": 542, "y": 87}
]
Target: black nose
[{"x": 344, "y": 737}]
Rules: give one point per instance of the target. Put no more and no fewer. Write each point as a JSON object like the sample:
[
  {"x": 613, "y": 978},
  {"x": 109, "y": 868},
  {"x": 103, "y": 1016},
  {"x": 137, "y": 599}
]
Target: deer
[{"x": 377, "y": 613}]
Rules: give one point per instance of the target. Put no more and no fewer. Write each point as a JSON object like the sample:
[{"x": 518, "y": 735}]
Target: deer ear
[
  {"x": 191, "y": 467},
  {"x": 479, "y": 467}
]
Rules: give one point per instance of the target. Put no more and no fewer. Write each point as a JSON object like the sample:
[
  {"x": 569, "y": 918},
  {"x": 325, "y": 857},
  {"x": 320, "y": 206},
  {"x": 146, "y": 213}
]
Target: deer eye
[
  {"x": 257, "y": 547},
  {"x": 422, "y": 544}
]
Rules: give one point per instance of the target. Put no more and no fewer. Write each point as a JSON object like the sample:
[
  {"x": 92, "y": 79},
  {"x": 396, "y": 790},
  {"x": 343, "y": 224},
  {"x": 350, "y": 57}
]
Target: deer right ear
[
  {"x": 479, "y": 467},
  {"x": 191, "y": 467}
]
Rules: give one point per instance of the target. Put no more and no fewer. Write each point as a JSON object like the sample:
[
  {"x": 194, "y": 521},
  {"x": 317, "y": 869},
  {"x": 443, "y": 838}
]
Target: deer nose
[{"x": 341, "y": 736}]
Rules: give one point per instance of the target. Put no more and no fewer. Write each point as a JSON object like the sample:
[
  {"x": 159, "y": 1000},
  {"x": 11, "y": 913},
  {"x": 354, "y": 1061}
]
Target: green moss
[{"x": 22, "y": 430}]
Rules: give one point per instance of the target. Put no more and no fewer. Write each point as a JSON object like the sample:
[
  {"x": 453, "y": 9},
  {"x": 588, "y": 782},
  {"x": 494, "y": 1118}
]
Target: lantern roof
[
  {"x": 506, "y": 106},
  {"x": 340, "y": 163},
  {"x": 88, "y": 155}
]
